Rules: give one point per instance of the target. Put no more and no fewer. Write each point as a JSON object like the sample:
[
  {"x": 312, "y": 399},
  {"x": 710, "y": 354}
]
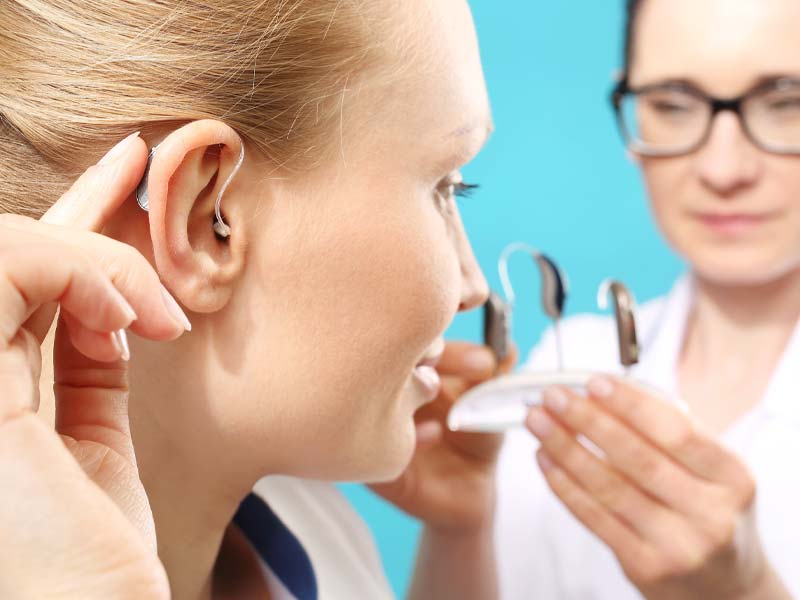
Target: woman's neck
[
  {"x": 194, "y": 491},
  {"x": 190, "y": 521},
  {"x": 734, "y": 338}
]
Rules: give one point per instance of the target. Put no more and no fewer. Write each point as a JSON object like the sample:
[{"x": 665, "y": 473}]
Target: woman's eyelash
[{"x": 464, "y": 190}]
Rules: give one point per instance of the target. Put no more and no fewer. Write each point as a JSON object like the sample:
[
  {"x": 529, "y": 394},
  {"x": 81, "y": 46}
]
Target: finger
[
  {"x": 472, "y": 362},
  {"x": 651, "y": 520},
  {"x": 20, "y": 366},
  {"x": 428, "y": 433},
  {"x": 509, "y": 362},
  {"x": 667, "y": 428},
  {"x": 626, "y": 544},
  {"x": 477, "y": 446},
  {"x": 642, "y": 463},
  {"x": 160, "y": 317},
  {"x": 99, "y": 346},
  {"x": 45, "y": 272},
  {"x": 100, "y": 191},
  {"x": 91, "y": 397}
]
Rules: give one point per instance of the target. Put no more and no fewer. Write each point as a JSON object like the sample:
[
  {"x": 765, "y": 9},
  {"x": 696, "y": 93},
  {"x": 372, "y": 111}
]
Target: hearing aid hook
[{"x": 554, "y": 288}]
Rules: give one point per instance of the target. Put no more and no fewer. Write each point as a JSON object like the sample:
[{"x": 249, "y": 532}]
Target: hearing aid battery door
[{"x": 503, "y": 403}]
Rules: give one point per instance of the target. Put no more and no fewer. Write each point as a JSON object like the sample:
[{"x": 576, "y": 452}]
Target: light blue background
[{"x": 555, "y": 175}]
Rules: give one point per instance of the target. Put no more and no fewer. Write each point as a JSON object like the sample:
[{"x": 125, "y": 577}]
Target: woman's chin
[
  {"x": 396, "y": 453},
  {"x": 735, "y": 274},
  {"x": 743, "y": 266}
]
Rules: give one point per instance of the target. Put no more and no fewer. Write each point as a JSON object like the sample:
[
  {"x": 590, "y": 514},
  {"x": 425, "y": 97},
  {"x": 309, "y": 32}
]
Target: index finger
[
  {"x": 660, "y": 422},
  {"x": 471, "y": 362},
  {"x": 101, "y": 190}
]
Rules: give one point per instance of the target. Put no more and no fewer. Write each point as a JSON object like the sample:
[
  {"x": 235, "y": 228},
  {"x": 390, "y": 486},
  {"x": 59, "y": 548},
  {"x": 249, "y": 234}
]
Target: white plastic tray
[{"x": 503, "y": 403}]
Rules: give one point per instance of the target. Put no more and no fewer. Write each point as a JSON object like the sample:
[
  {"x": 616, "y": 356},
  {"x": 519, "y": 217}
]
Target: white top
[
  {"x": 338, "y": 542},
  {"x": 545, "y": 553}
]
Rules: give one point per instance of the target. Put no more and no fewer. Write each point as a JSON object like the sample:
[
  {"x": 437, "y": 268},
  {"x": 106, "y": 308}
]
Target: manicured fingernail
[
  {"x": 119, "y": 150},
  {"x": 555, "y": 399},
  {"x": 539, "y": 423},
  {"x": 600, "y": 387},
  {"x": 125, "y": 306},
  {"x": 545, "y": 462},
  {"x": 174, "y": 309},
  {"x": 121, "y": 342},
  {"x": 480, "y": 360}
]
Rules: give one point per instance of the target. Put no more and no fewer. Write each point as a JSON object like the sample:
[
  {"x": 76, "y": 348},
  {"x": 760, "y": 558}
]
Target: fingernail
[
  {"x": 174, "y": 309},
  {"x": 539, "y": 423},
  {"x": 600, "y": 387},
  {"x": 555, "y": 399},
  {"x": 123, "y": 303},
  {"x": 121, "y": 343},
  {"x": 119, "y": 150},
  {"x": 480, "y": 360},
  {"x": 545, "y": 462}
]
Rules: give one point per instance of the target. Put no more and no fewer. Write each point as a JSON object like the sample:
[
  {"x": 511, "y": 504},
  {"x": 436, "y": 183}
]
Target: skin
[{"x": 670, "y": 501}]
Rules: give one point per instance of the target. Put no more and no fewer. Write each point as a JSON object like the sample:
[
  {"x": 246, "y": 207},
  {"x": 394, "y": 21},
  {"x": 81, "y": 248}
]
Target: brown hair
[
  {"x": 632, "y": 9},
  {"x": 77, "y": 75}
]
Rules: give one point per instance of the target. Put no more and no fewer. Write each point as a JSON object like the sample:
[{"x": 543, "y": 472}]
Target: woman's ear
[{"x": 187, "y": 173}]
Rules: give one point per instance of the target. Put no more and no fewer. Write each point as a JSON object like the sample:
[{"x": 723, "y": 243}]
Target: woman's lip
[
  {"x": 428, "y": 379},
  {"x": 732, "y": 223},
  {"x": 430, "y": 361},
  {"x": 433, "y": 355}
]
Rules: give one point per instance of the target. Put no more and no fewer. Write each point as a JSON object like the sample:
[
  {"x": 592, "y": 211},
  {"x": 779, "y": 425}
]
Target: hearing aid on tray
[
  {"x": 496, "y": 326},
  {"x": 503, "y": 403},
  {"x": 220, "y": 227},
  {"x": 497, "y": 312}
]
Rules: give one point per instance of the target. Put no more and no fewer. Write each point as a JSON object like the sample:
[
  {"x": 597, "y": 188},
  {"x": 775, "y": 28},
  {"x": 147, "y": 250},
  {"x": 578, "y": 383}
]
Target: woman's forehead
[
  {"x": 441, "y": 91},
  {"x": 726, "y": 45}
]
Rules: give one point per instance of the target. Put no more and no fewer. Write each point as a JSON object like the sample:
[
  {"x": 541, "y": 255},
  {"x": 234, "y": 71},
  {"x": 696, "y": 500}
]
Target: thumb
[
  {"x": 92, "y": 200},
  {"x": 101, "y": 190}
]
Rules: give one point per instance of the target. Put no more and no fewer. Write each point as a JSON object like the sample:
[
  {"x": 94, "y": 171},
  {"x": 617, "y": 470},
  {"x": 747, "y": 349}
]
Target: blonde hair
[{"x": 77, "y": 75}]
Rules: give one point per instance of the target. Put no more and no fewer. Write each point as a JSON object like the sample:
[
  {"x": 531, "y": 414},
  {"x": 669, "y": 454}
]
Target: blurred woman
[{"x": 709, "y": 106}]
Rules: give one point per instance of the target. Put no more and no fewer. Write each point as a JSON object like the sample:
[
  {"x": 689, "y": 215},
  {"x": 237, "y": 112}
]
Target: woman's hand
[
  {"x": 72, "y": 508},
  {"x": 675, "y": 506},
  {"x": 449, "y": 484}
]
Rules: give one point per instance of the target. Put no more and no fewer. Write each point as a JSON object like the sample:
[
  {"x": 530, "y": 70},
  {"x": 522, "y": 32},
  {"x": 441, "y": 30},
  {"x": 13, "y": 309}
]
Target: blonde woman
[{"x": 315, "y": 324}]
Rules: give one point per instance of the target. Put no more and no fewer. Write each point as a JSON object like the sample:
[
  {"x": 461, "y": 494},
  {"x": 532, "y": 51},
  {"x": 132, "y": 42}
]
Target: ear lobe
[{"x": 186, "y": 176}]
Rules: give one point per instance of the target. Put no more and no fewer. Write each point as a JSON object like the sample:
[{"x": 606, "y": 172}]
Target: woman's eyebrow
[{"x": 756, "y": 82}]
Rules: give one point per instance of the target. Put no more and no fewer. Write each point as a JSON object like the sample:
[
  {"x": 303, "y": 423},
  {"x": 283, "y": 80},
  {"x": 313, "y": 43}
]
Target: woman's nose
[
  {"x": 728, "y": 162},
  {"x": 474, "y": 287}
]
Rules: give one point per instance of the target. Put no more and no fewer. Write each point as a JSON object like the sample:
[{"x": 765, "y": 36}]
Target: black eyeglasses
[{"x": 675, "y": 118}]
